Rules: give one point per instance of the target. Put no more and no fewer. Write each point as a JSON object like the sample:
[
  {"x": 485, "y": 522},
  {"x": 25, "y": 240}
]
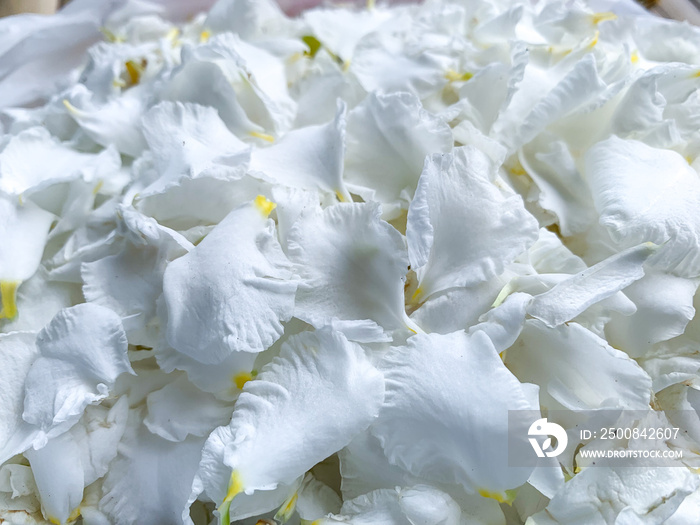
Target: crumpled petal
[
  {"x": 457, "y": 434},
  {"x": 188, "y": 140},
  {"x": 648, "y": 194},
  {"x": 619, "y": 495},
  {"x": 180, "y": 409},
  {"x": 572, "y": 296},
  {"x": 242, "y": 259},
  {"x": 33, "y": 160},
  {"x": 17, "y": 353},
  {"x": 351, "y": 265},
  {"x": 451, "y": 244},
  {"x": 576, "y": 369},
  {"x": 150, "y": 479},
  {"x": 273, "y": 437},
  {"x": 309, "y": 158},
  {"x": 82, "y": 352},
  {"x": 388, "y": 138},
  {"x": 400, "y": 506}
]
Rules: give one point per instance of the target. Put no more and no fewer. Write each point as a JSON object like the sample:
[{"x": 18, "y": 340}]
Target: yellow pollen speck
[
  {"x": 264, "y": 205},
  {"x": 346, "y": 66},
  {"x": 20, "y": 200},
  {"x": 454, "y": 76},
  {"x": 263, "y": 136},
  {"x": 603, "y": 17},
  {"x": 98, "y": 187},
  {"x": 501, "y": 497},
  {"x": 688, "y": 159},
  {"x": 8, "y": 290},
  {"x": 134, "y": 72},
  {"x": 340, "y": 196},
  {"x": 241, "y": 379},
  {"x": 634, "y": 57},
  {"x": 204, "y": 36},
  {"x": 696, "y": 74}
]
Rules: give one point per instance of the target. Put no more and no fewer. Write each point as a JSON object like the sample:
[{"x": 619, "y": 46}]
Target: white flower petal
[
  {"x": 274, "y": 435},
  {"x": 179, "y": 409},
  {"x": 60, "y": 495},
  {"x": 452, "y": 244},
  {"x": 382, "y": 63},
  {"x": 576, "y": 369},
  {"x": 130, "y": 282},
  {"x": 33, "y": 160},
  {"x": 453, "y": 435},
  {"x": 242, "y": 259},
  {"x": 188, "y": 140},
  {"x": 115, "y": 122},
  {"x": 17, "y": 353},
  {"x": 419, "y": 504},
  {"x": 648, "y": 194},
  {"x": 82, "y": 352},
  {"x": 572, "y": 296},
  {"x": 562, "y": 189},
  {"x": 664, "y": 308},
  {"x": 204, "y": 83},
  {"x": 316, "y": 499},
  {"x": 24, "y": 229},
  {"x": 351, "y": 264},
  {"x": 457, "y": 308},
  {"x": 150, "y": 480},
  {"x": 388, "y": 138},
  {"x": 309, "y": 158},
  {"x": 623, "y": 496}
]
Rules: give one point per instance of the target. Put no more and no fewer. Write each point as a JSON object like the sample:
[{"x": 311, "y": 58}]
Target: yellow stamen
[
  {"x": 264, "y": 205},
  {"x": 605, "y": 16},
  {"x": 313, "y": 44},
  {"x": 241, "y": 379},
  {"x": 501, "y": 497},
  {"x": 340, "y": 196},
  {"x": 594, "y": 41},
  {"x": 54, "y": 520},
  {"x": 263, "y": 136},
  {"x": 8, "y": 290},
  {"x": 454, "y": 76},
  {"x": 418, "y": 293},
  {"x": 204, "y": 36},
  {"x": 634, "y": 57},
  {"x": 696, "y": 74},
  {"x": 134, "y": 72},
  {"x": 110, "y": 36},
  {"x": 98, "y": 187},
  {"x": 346, "y": 66}
]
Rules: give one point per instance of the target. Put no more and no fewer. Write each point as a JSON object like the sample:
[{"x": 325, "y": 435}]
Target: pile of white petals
[{"x": 264, "y": 269}]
